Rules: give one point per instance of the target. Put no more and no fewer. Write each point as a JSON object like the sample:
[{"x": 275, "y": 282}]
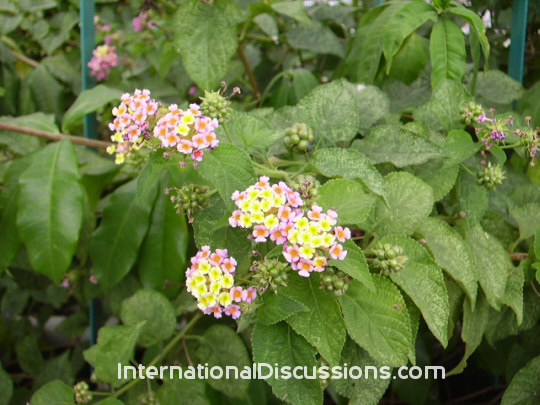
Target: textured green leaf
[
  {"x": 331, "y": 111},
  {"x": 251, "y": 131},
  {"x": 347, "y": 198},
  {"x": 443, "y": 110},
  {"x": 378, "y": 322},
  {"x": 222, "y": 347},
  {"x": 197, "y": 25},
  {"x": 355, "y": 265},
  {"x": 513, "y": 293},
  {"x": 460, "y": 146},
  {"x": 392, "y": 144},
  {"x": 528, "y": 219},
  {"x": 154, "y": 309},
  {"x": 6, "y": 387},
  {"x": 89, "y": 101},
  {"x": 451, "y": 253},
  {"x": 228, "y": 168},
  {"x": 115, "y": 345},
  {"x": 56, "y": 392},
  {"x": 278, "y": 307},
  {"x": 370, "y": 389},
  {"x": 50, "y": 209},
  {"x": 294, "y": 9},
  {"x": 303, "y": 82},
  {"x": 523, "y": 389},
  {"x": 403, "y": 23},
  {"x": 279, "y": 344},
  {"x": 473, "y": 198},
  {"x": 114, "y": 246},
  {"x": 493, "y": 262},
  {"x": 438, "y": 176},
  {"x": 410, "y": 200},
  {"x": 496, "y": 87},
  {"x": 323, "y": 326},
  {"x": 371, "y": 104},
  {"x": 447, "y": 51},
  {"x": 349, "y": 164},
  {"x": 164, "y": 249},
  {"x": 267, "y": 24},
  {"x": 423, "y": 281},
  {"x": 172, "y": 390},
  {"x": 110, "y": 401},
  {"x": 315, "y": 37}
]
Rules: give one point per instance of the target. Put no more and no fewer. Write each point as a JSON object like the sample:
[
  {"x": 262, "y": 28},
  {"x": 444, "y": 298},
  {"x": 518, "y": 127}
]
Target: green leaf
[
  {"x": 410, "y": 60},
  {"x": 392, "y": 144},
  {"x": 368, "y": 388},
  {"x": 378, "y": 322},
  {"x": 323, "y": 326},
  {"x": 355, "y": 265},
  {"x": 528, "y": 219},
  {"x": 115, "y": 346},
  {"x": 451, "y": 253},
  {"x": 171, "y": 390},
  {"x": 88, "y": 101},
  {"x": 47, "y": 93},
  {"x": 228, "y": 168},
  {"x": 443, "y": 110},
  {"x": 473, "y": 198},
  {"x": 164, "y": 249},
  {"x": 493, "y": 261},
  {"x": 331, "y": 112},
  {"x": 6, "y": 387},
  {"x": 371, "y": 104},
  {"x": 438, "y": 176},
  {"x": 513, "y": 293},
  {"x": 523, "y": 388},
  {"x": 50, "y": 209},
  {"x": 155, "y": 310},
  {"x": 460, "y": 146},
  {"x": 347, "y": 198},
  {"x": 476, "y": 24},
  {"x": 410, "y": 200},
  {"x": 423, "y": 281},
  {"x": 315, "y": 37},
  {"x": 279, "y": 344},
  {"x": 114, "y": 246},
  {"x": 251, "y": 131},
  {"x": 447, "y": 51},
  {"x": 278, "y": 307},
  {"x": 403, "y": 23},
  {"x": 303, "y": 82},
  {"x": 110, "y": 401},
  {"x": 267, "y": 24},
  {"x": 197, "y": 25},
  {"x": 294, "y": 9},
  {"x": 9, "y": 237},
  {"x": 349, "y": 164},
  {"x": 222, "y": 347},
  {"x": 56, "y": 392},
  {"x": 495, "y": 87},
  {"x": 57, "y": 368}
]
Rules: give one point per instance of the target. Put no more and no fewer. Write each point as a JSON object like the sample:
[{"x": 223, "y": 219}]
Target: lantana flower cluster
[
  {"x": 309, "y": 238},
  {"x": 186, "y": 131},
  {"x": 210, "y": 279},
  {"x": 104, "y": 58},
  {"x": 131, "y": 123}
]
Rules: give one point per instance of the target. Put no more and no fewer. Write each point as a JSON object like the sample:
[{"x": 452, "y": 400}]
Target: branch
[
  {"x": 94, "y": 143},
  {"x": 249, "y": 72}
]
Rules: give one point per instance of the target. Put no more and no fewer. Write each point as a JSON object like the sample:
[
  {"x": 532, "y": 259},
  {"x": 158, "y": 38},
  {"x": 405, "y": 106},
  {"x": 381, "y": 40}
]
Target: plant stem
[
  {"x": 54, "y": 137},
  {"x": 261, "y": 169},
  {"x": 249, "y": 72},
  {"x": 514, "y": 145},
  {"x": 172, "y": 343},
  {"x": 468, "y": 170}
]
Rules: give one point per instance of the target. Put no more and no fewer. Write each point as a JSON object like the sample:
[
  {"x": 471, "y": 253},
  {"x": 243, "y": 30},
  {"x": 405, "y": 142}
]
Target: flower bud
[
  {"x": 490, "y": 176},
  {"x": 214, "y": 105},
  {"x": 82, "y": 394},
  {"x": 298, "y": 138}
]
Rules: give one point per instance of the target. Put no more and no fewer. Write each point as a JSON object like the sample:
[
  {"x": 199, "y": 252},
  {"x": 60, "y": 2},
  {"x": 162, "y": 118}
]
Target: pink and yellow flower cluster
[
  {"x": 309, "y": 238},
  {"x": 184, "y": 131},
  {"x": 210, "y": 279},
  {"x": 188, "y": 131},
  {"x": 104, "y": 57},
  {"x": 131, "y": 124}
]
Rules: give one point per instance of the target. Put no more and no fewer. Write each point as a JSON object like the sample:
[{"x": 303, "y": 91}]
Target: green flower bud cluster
[
  {"x": 307, "y": 186},
  {"x": 334, "y": 281},
  {"x": 188, "y": 199},
  {"x": 470, "y": 113},
  {"x": 214, "y": 105},
  {"x": 82, "y": 392},
  {"x": 148, "y": 398},
  {"x": 387, "y": 258},
  {"x": 298, "y": 137},
  {"x": 490, "y": 176},
  {"x": 270, "y": 273}
]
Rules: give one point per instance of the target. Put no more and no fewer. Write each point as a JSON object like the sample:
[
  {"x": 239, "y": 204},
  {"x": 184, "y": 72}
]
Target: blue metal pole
[
  {"x": 376, "y": 3},
  {"x": 90, "y": 123},
  {"x": 519, "y": 36}
]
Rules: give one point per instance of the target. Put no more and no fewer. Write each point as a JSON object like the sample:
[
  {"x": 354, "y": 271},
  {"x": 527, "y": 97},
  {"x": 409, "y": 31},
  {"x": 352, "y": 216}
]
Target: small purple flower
[{"x": 496, "y": 134}]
